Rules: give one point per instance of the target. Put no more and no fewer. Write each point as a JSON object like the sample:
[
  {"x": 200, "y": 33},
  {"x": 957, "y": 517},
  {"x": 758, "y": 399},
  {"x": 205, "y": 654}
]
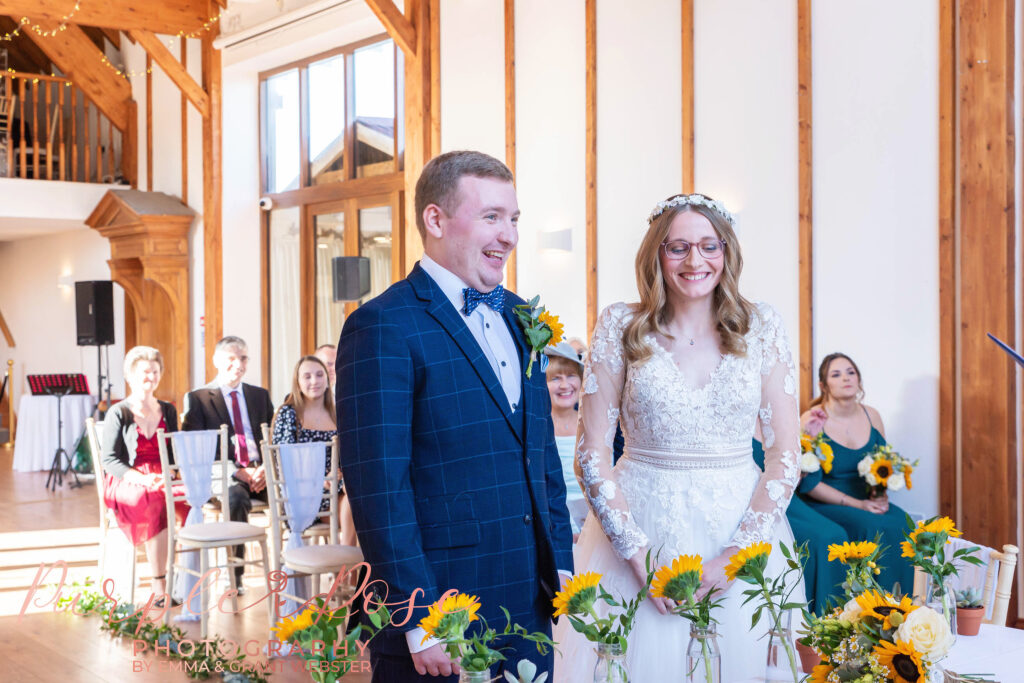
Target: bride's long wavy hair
[{"x": 732, "y": 312}]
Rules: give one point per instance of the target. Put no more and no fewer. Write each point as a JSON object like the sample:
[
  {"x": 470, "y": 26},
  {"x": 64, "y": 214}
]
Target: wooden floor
[{"x": 37, "y": 526}]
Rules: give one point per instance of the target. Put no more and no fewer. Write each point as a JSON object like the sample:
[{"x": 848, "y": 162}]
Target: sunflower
[
  {"x": 745, "y": 559},
  {"x": 882, "y": 469},
  {"x": 882, "y": 607},
  {"x": 289, "y": 626},
  {"x": 826, "y": 463},
  {"x": 806, "y": 443},
  {"x": 679, "y": 580},
  {"x": 578, "y": 596},
  {"x": 450, "y": 617},
  {"x": 907, "y": 471},
  {"x": 820, "y": 673},
  {"x": 902, "y": 661},
  {"x": 942, "y": 525},
  {"x": 908, "y": 548},
  {"x": 851, "y": 551},
  {"x": 557, "y": 329}
]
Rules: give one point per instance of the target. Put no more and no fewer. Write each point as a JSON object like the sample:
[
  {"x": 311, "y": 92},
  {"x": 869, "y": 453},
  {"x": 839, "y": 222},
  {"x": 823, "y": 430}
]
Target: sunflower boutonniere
[{"x": 541, "y": 329}]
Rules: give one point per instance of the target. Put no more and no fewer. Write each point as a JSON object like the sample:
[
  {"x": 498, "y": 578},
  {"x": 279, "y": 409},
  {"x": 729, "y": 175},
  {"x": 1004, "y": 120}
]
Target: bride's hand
[
  {"x": 714, "y": 573},
  {"x": 636, "y": 563}
]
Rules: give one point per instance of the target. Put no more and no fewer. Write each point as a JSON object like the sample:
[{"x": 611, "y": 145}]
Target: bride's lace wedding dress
[{"x": 686, "y": 485}]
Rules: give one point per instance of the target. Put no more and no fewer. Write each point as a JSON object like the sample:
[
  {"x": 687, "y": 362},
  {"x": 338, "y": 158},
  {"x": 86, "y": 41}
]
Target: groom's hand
[{"x": 434, "y": 662}]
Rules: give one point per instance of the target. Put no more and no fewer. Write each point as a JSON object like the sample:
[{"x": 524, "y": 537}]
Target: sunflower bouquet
[
  {"x": 577, "y": 603},
  {"x": 877, "y": 637},
  {"x": 925, "y": 548},
  {"x": 861, "y": 560},
  {"x": 541, "y": 329},
  {"x": 772, "y": 595},
  {"x": 448, "y": 621},
  {"x": 679, "y": 581},
  {"x": 315, "y": 633},
  {"x": 886, "y": 470},
  {"x": 816, "y": 453}
]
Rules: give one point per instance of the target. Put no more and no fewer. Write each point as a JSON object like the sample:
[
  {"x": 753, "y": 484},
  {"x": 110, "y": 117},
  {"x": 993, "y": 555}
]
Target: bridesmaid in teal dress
[
  {"x": 822, "y": 579},
  {"x": 853, "y": 430}
]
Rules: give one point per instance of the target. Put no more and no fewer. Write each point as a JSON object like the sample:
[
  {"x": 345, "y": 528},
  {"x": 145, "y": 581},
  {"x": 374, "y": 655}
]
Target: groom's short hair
[{"x": 439, "y": 182}]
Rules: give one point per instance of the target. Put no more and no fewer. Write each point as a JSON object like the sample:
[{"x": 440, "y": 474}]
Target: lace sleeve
[
  {"x": 780, "y": 426},
  {"x": 599, "y": 418}
]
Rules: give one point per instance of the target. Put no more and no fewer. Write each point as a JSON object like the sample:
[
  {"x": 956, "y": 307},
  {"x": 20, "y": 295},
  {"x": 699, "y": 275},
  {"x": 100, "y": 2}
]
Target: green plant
[{"x": 969, "y": 598}]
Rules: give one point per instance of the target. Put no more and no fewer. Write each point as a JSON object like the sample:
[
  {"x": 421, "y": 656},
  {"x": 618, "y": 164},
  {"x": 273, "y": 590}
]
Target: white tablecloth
[
  {"x": 996, "y": 650},
  {"x": 36, "y": 437}
]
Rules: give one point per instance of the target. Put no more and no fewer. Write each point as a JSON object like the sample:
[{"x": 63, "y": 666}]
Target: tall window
[{"x": 330, "y": 150}]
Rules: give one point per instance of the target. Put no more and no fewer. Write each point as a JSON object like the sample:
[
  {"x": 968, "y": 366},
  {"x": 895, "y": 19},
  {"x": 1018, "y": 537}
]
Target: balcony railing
[{"x": 50, "y": 130}]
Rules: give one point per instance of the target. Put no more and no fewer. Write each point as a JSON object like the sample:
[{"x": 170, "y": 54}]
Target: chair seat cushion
[
  {"x": 220, "y": 531},
  {"x": 320, "y": 559}
]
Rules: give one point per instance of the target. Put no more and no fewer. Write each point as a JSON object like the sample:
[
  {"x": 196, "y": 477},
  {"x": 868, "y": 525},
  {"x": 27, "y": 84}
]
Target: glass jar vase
[
  {"x": 941, "y": 598},
  {"x": 474, "y": 676},
  {"x": 782, "y": 664},
  {"x": 703, "y": 656},
  {"x": 611, "y": 664}
]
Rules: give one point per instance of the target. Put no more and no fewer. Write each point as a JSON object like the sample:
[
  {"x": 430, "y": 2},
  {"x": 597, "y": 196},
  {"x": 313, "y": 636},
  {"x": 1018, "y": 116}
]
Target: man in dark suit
[
  {"x": 450, "y": 460},
  {"x": 243, "y": 408}
]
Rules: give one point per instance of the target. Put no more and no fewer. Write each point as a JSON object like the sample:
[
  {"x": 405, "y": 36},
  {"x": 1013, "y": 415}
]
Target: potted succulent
[{"x": 970, "y": 610}]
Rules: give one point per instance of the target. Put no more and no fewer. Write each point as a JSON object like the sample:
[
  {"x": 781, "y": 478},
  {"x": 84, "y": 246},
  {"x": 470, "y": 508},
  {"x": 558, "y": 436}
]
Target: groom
[{"x": 448, "y": 450}]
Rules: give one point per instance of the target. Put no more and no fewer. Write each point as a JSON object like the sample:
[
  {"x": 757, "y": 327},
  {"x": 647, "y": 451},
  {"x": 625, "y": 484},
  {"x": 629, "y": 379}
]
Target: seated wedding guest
[
  {"x": 133, "y": 479},
  {"x": 822, "y": 579},
  {"x": 307, "y": 415},
  {"x": 243, "y": 408},
  {"x": 565, "y": 376},
  {"x": 328, "y": 353},
  {"x": 853, "y": 430}
]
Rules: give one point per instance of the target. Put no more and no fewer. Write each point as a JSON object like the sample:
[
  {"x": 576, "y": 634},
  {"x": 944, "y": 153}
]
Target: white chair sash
[
  {"x": 302, "y": 471},
  {"x": 195, "y": 453}
]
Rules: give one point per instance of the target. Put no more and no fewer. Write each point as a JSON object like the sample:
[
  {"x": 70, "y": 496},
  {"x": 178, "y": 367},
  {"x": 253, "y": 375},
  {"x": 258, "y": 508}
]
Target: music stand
[{"x": 57, "y": 469}]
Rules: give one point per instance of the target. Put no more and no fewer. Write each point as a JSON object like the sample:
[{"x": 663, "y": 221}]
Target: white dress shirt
[
  {"x": 488, "y": 328},
  {"x": 250, "y": 442}
]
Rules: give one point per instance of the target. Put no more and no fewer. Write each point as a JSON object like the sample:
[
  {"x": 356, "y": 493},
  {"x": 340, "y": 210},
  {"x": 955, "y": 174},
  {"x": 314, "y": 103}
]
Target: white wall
[
  {"x": 550, "y": 155},
  {"x": 875, "y": 214},
  {"x": 41, "y": 314}
]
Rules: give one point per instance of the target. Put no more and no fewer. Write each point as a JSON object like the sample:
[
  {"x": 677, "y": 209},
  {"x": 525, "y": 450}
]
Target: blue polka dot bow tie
[{"x": 494, "y": 299}]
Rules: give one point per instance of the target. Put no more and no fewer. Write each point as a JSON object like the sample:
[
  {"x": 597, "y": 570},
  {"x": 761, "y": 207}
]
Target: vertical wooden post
[
  {"x": 686, "y": 15},
  {"x": 591, "y": 162},
  {"x": 511, "y": 270},
  {"x": 149, "y": 122},
  {"x": 805, "y": 203},
  {"x": 62, "y": 169},
  {"x": 417, "y": 120},
  {"x": 184, "y": 126},
  {"x": 986, "y": 258},
  {"x": 948, "y": 432},
  {"x": 213, "y": 253},
  {"x": 74, "y": 134}
]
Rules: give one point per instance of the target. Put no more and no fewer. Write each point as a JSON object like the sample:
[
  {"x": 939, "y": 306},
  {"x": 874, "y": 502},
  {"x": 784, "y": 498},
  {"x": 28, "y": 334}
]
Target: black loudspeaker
[
  {"x": 94, "y": 311},
  {"x": 351, "y": 277}
]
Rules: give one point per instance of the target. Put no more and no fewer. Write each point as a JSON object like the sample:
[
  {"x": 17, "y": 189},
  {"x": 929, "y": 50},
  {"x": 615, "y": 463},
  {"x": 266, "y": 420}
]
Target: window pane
[
  {"x": 327, "y": 120},
  {"x": 330, "y": 242},
  {"x": 281, "y": 113},
  {"x": 285, "y": 310},
  {"x": 375, "y": 109},
  {"x": 375, "y": 242}
]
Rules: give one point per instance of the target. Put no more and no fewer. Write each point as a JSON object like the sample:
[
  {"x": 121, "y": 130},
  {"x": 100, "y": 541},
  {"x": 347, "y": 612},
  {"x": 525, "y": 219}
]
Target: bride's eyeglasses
[{"x": 677, "y": 250}]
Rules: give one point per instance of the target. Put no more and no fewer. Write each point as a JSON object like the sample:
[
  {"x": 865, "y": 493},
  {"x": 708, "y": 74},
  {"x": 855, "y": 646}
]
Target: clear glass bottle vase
[
  {"x": 782, "y": 665},
  {"x": 474, "y": 676},
  {"x": 941, "y": 598},
  {"x": 611, "y": 664},
  {"x": 703, "y": 656}
]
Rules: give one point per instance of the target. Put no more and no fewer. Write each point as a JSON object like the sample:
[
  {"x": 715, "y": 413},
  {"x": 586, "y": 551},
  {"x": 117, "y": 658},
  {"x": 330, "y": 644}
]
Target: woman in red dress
[{"x": 133, "y": 480}]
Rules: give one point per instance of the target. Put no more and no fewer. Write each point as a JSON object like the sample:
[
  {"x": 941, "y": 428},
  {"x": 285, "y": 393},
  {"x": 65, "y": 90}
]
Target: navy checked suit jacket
[{"x": 449, "y": 488}]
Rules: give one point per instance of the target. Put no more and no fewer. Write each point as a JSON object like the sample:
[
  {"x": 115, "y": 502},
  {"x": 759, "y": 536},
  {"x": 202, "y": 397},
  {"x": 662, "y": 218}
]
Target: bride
[{"x": 686, "y": 373}]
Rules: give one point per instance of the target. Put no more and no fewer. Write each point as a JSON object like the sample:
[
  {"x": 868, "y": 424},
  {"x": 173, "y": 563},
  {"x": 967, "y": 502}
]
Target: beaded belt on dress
[{"x": 693, "y": 459}]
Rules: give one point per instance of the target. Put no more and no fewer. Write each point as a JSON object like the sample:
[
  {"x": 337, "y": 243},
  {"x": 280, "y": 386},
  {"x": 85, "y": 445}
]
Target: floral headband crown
[{"x": 691, "y": 200}]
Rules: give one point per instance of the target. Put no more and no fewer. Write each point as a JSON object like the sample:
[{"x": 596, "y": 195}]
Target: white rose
[
  {"x": 928, "y": 631},
  {"x": 864, "y": 466},
  {"x": 871, "y": 479},
  {"x": 851, "y": 612},
  {"x": 809, "y": 463},
  {"x": 897, "y": 482}
]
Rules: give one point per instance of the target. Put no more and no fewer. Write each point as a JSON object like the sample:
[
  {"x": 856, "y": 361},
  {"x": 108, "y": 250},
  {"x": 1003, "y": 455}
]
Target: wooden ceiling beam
[
  {"x": 26, "y": 47},
  {"x": 114, "y": 36},
  {"x": 397, "y": 25},
  {"x": 175, "y": 71},
  {"x": 78, "y": 59},
  {"x": 96, "y": 36},
  {"x": 166, "y": 16}
]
